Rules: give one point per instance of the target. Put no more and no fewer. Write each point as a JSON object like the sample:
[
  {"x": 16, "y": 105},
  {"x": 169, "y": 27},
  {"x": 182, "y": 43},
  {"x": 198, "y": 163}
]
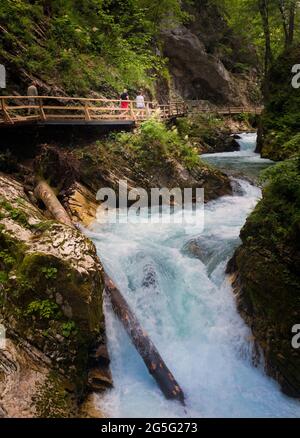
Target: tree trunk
[
  {"x": 291, "y": 31},
  {"x": 44, "y": 192},
  {"x": 143, "y": 344},
  {"x": 264, "y": 12},
  {"x": 288, "y": 13},
  {"x": 284, "y": 23}
]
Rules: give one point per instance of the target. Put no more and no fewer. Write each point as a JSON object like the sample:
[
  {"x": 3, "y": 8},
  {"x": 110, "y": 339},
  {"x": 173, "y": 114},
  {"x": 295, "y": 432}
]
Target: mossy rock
[
  {"x": 267, "y": 274},
  {"x": 51, "y": 284}
]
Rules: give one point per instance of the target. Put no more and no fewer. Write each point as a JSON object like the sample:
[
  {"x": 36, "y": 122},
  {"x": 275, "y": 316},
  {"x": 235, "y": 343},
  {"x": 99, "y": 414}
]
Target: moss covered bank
[{"x": 266, "y": 268}]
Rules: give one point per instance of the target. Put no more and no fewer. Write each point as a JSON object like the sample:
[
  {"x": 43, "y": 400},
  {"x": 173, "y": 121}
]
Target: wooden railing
[
  {"x": 24, "y": 109},
  {"x": 20, "y": 109},
  {"x": 198, "y": 107}
]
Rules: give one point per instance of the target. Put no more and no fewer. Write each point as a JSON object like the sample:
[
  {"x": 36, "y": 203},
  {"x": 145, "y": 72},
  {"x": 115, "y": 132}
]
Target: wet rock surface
[
  {"x": 51, "y": 285},
  {"x": 265, "y": 276}
]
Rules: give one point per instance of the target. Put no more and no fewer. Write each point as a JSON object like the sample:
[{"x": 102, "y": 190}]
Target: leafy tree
[
  {"x": 102, "y": 45},
  {"x": 270, "y": 25}
]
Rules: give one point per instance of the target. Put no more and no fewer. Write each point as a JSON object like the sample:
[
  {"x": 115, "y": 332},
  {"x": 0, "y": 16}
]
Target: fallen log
[
  {"x": 143, "y": 344},
  {"x": 140, "y": 339},
  {"x": 45, "y": 193}
]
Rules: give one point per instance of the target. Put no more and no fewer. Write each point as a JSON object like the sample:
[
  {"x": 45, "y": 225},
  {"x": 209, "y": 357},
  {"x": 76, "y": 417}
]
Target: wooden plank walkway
[
  {"x": 79, "y": 111},
  {"x": 49, "y": 110}
]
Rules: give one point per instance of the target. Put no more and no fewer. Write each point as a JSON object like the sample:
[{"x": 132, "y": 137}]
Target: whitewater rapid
[{"x": 184, "y": 300}]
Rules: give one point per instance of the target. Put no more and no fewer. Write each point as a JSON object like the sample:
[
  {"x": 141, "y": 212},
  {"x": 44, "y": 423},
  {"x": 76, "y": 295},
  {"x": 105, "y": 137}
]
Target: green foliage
[
  {"x": 292, "y": 147},
  {"x": 68, "y": 329},
  {"x": 154, "y": 141},
  {"x": 206, "y": 132},
  {"x": 244, "y": 18},
  {"x": 277, "y": 216},
  {"x": 14, "y": 213},
  {"x": 284, "y": 179},
  {"x": 3, "y": 277},
  {"x": 49, "y": 272},
  {"x": 7, "y": 258},
  {"x": 280, "y": 120},
  {"x": 44, "y": 309},
  {"x": 95, "y": 44}
]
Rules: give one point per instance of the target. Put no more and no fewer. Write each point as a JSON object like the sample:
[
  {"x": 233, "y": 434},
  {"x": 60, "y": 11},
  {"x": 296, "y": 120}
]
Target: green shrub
[
  {"x": 50, "y": 273},
  {"x": 15, "y": 213},
  {"x": 292, "y": 147},
  {"x": 154, "y": 141},
  {"x": 68, "y": 328},
  {"x": 44, "y": 309},
  {"x": 277, "y": 216},
  {"x": 280, "y": 120}
]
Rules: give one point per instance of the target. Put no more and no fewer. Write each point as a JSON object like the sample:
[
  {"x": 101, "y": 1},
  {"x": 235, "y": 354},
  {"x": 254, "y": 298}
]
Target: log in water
[{"x": 143, "y": 344}]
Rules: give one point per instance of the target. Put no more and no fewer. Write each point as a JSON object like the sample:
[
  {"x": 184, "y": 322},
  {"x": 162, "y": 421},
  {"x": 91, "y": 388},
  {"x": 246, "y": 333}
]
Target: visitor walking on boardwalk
[
  {"x": 140, "y": 104},
  {"x": 124, "y": 101},
  {"x": 32, "y": 91}
]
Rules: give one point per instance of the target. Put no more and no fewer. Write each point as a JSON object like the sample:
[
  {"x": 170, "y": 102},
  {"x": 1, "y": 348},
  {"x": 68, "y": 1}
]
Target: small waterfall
[
  {"x": 174, "y": 279},
  {"x": 247, "y": 142}
]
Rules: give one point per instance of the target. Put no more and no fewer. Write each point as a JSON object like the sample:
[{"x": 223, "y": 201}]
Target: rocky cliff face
[
  {"x": 50, "y": 289},
  {"x": 203, "y": 58},
  {"x": 142, "y": 162},
  {"x": 266, "y": 275},
  {"x": 266, "y": 267}
]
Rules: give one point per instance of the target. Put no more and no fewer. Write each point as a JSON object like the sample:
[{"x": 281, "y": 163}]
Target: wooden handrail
[
  {"x": 74, "y": 99},
  {"x": 92, "y": 109}
]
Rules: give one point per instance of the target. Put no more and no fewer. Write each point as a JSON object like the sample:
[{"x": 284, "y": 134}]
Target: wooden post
[
  {"x": 132, "y": 111},
  {"x": 87, "y": 113},
  {"x": 6, "y": 115},
  {"x": 143, "y": 344},
  {"x": 42, "y": 112}
]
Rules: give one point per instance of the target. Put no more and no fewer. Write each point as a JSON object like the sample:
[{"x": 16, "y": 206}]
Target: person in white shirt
[
  {"x": 32, "y": 91},
  {"x": 140, "y": 104}
]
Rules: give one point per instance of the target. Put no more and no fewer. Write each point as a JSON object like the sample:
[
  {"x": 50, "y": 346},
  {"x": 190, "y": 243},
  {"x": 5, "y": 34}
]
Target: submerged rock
[
  {"x": 209, "y": 250},
  {"x": 100, "y": 379}
]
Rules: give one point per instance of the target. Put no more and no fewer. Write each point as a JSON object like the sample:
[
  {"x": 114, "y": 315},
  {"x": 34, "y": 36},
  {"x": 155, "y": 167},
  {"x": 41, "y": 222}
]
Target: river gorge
[{"x": 174, "y": 280}]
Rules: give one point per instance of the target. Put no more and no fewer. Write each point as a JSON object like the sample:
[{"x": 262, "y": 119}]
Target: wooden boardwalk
[
  {"x": 49, "y": 110},
  {"x": 81, "y": 111}
]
